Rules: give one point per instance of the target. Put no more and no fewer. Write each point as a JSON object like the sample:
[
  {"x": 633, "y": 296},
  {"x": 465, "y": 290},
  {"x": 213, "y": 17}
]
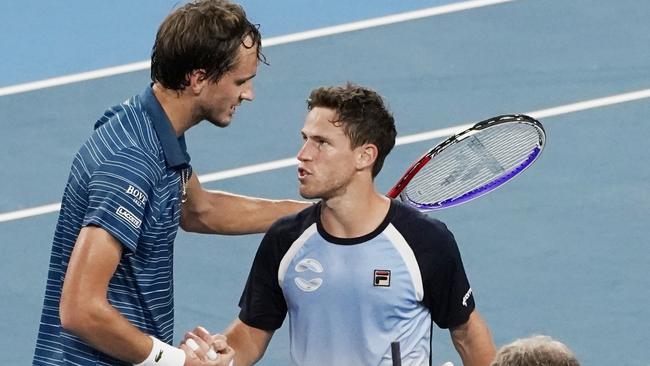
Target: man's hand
[{"x": 204, "y": 349}]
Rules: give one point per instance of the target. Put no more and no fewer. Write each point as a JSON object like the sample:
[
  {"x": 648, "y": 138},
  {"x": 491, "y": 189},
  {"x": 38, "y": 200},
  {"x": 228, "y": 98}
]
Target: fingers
[
  {"x": 196, "y": 347},
  {"x": 189, "y": 353},
  {"x": 205, "y": 348},
  {"x": 219, "y": 342},
  {"x": 201, "y": 332},
  {"x": 212, "y": 354},
  {"x": 226, "y": 356},
  {"x": 215, "y": 343}
]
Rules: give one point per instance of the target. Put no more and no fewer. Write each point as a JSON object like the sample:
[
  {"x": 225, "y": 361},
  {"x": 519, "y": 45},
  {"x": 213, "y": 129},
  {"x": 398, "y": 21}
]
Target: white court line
[
  {"x": 404, "y": 140},
  {"x": 273, "y": 41},
  {"x": 385, "y": 20},
  {"x": 75, "y": 78}
]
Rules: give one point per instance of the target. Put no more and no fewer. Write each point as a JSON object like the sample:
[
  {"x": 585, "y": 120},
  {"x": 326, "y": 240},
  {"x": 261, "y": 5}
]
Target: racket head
[{"x": 472, "y": 163}]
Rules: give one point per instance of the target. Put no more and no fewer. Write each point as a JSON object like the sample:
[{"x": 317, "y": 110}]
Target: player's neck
[
  {"x": 177, "y": 107},
  {"x": 354, "y": 215}
]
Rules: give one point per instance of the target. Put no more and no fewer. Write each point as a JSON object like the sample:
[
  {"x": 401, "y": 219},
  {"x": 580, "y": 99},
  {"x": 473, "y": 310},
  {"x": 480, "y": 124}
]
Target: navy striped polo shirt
[{"x": 125, "y": 179}]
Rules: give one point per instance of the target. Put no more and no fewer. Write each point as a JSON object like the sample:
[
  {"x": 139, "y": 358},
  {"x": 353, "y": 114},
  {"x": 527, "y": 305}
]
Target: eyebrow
[
  {"x": 315, "y": 136},
  {"x": 243, "y": 80}
]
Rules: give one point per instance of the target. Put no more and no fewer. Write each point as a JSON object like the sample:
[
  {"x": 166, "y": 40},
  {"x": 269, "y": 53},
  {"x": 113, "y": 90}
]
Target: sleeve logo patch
[
  {"x": 466, "y": 297},
  {"x": 138, "y": 196},
  {"x": 129, "y": 217}
]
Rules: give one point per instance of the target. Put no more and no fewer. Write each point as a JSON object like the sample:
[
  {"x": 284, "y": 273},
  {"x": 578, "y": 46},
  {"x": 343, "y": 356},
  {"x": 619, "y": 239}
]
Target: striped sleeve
[{"x": 118, "y": 194}]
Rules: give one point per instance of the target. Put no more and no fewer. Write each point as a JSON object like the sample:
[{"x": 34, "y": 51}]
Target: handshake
[{"x": 204, "y": 349}]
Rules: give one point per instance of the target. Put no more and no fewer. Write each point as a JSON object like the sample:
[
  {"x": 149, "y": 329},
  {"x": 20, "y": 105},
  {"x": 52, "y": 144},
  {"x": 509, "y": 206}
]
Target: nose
[
  {"x": 248, "y": 94},
  {"x": 303, "y": 153}
]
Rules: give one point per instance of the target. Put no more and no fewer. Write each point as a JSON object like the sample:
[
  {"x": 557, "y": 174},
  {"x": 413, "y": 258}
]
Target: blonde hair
[{"x": 538, "y": 350}]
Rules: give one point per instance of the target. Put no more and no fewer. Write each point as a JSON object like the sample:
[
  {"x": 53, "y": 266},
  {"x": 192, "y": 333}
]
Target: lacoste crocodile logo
[{"x": 159, "y": 356}]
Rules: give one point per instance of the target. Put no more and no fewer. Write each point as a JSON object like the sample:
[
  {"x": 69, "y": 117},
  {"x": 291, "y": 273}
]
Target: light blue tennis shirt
[
  {"x": 125, "y": 179},
  {"x": 349, "y": 298}
]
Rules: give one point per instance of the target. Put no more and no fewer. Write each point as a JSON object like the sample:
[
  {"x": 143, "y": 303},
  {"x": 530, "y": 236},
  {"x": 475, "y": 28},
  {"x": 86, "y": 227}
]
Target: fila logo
[
  {"x": 139, "y": 197},
  {"x": 382, "y": 278},
  {"x": 308, "y": 265},
  {"x": 129, "y": 217},
  {"x": 466, "y": 297}
]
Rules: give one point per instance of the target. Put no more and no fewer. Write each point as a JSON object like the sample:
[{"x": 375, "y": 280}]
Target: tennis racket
[
  {"x": 395, "y": 353},
  {"x": 471, "y": 163}
]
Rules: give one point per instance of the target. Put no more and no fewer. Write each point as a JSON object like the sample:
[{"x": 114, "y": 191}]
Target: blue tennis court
[{"x": 562, "y": 250}]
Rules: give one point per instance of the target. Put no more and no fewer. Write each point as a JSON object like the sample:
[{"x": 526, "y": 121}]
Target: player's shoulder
[
  {"x": 295, "y": 224},
  {"x": 424, "y": 234},
  {"x": 286, "y": 230},
  {"x": 118, "y": 154},
  {"x": 410, "y": 219},
  {"x": 129, "y": 123},
  {"x": 128, "y": 113},
  {"x": 126, "y": 130}
]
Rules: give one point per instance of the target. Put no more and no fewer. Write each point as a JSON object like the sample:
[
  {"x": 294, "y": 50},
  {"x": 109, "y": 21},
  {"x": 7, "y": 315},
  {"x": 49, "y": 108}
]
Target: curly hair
[
  {"x": 535, "y": 351},
  {"x": 363, "y": 115},
  {"x": 203, "y": 34}
]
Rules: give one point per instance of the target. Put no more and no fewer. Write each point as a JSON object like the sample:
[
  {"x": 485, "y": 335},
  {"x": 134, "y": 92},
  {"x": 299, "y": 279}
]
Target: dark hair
[
  {"x": 203, "y": 34},
  {"x": 362, "y": 114}
]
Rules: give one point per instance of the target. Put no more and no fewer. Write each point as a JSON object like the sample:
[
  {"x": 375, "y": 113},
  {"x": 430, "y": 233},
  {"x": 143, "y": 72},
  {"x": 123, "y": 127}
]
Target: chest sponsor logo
[
  {"x": 309, "y": 264},
  {"x": 306, "y": 266},
  {"x": 138, "y": 196},
  {"x": 382, "y": 278},
  {"x": 308, "y": 285},
  {"x": 129, "y": 217}
]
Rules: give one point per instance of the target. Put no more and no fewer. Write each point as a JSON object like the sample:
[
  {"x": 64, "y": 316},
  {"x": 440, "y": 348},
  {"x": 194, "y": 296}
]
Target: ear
[
  {"x": 366, "y": 156},
  {"x": 198, "y": 80}
]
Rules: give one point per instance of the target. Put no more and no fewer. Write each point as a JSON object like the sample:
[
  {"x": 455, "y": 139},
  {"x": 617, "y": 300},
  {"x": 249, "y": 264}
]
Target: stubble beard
[{"x": 336, "y": 189}]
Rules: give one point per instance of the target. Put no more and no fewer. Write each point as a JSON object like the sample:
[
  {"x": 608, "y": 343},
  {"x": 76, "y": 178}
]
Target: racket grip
[{"x": 395, "y": 354}]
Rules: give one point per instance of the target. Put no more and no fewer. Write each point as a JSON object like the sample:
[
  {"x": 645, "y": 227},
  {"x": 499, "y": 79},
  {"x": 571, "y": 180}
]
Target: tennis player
[
  {"x": 356, "y": 271},
  {"x": 109, "y": 294}
]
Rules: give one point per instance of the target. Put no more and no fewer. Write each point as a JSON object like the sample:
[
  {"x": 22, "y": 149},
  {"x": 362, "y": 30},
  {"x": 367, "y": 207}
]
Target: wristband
[{"x": 163, "y": 354}]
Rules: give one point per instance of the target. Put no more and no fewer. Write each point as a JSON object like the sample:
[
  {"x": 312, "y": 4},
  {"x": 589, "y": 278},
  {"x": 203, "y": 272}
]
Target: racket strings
[{"x": 474, "y": 162}]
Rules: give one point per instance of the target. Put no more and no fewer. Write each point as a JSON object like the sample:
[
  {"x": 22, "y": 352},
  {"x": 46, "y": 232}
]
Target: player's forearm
[
  {"x": 476, "y": 352},
  {"x": 105, "y": 329},
  {"x": 230, "y": 214},
  {"x": 84, "y": 309},
  {"x": 473, "y": 342},
  {"x": 249, "y": 343}
]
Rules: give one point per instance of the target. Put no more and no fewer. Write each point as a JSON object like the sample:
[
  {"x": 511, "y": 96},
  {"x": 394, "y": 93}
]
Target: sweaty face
[
  {"x": 327, "y": 162},
  {"x": 218, "y": 101}
]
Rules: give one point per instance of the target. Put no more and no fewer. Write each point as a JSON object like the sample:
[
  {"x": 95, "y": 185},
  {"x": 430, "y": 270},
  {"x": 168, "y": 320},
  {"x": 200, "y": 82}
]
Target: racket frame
[{"x": 398, "y": 188}]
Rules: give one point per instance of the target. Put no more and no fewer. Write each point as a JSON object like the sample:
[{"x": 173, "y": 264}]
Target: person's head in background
[{"x": 538, "y": 350}]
